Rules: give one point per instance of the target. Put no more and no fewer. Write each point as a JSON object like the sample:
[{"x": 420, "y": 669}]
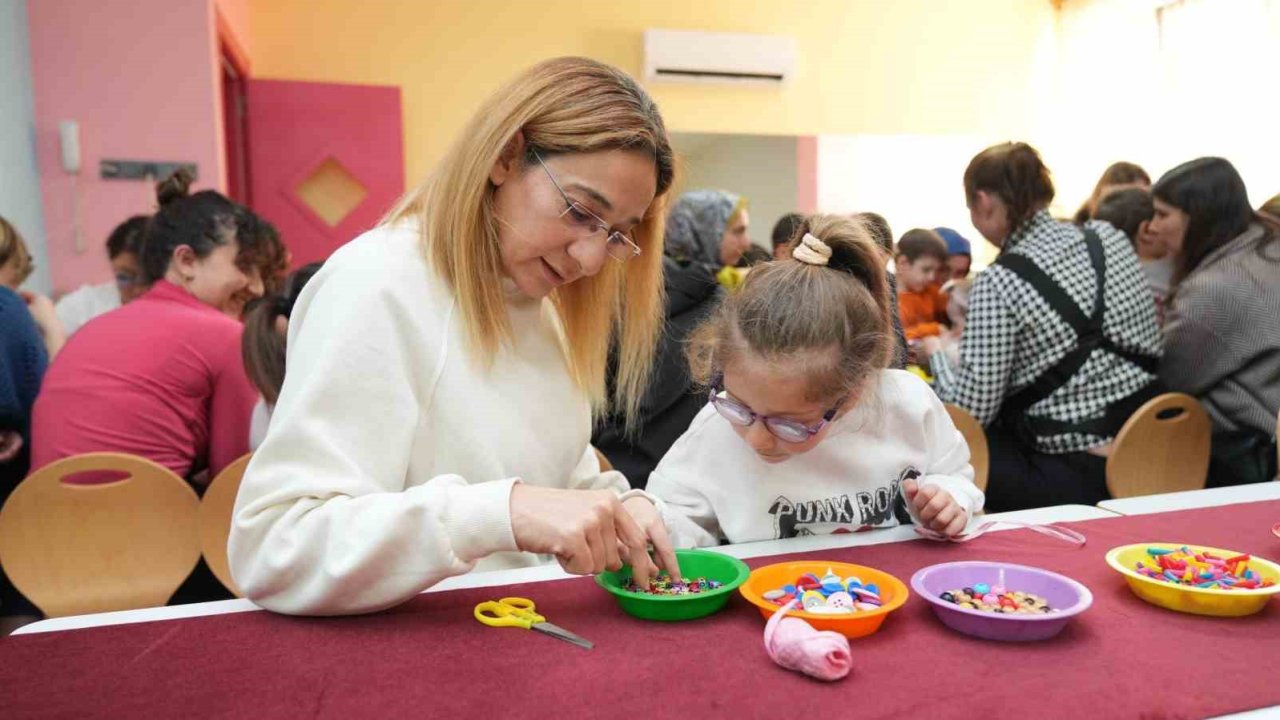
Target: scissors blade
[{"x": 559, "y": 632}]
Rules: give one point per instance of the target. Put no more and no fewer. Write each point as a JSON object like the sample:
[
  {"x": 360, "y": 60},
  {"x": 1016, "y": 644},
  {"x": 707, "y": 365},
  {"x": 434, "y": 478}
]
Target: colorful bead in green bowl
[{"x": 730, "y": 572}]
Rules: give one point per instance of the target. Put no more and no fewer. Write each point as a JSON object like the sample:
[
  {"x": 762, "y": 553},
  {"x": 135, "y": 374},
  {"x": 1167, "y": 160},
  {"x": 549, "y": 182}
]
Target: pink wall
[
  {"x": 807, "y": 174},
  {"x": 141, "y": 79}
]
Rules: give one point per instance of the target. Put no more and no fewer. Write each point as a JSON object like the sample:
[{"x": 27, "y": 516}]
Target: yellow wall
[{"x": 865, "y": 66}]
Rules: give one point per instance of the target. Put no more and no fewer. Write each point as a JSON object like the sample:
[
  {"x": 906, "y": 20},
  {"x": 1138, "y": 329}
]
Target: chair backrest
[
  {"x": 979, "y": 453},
  {"x": 1163, "y": 447},
  {"x": 215, "y": 520},
  {"x": 123, "y": 543}
]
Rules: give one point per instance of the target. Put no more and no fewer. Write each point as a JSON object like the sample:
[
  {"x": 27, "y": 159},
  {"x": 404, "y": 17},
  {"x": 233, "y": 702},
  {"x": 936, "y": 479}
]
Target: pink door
[{"x": 326, "y": 161}]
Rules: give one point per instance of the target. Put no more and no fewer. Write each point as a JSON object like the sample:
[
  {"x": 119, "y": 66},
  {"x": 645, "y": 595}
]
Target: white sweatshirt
[
  {"x": 712, "y": 486},
  {"x": 392, "y": 452},
  {"x": 86, "y": 303}
]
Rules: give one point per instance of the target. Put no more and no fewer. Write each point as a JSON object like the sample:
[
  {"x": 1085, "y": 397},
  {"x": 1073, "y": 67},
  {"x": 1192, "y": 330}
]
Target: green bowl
[{"x": 732, "y": 572}]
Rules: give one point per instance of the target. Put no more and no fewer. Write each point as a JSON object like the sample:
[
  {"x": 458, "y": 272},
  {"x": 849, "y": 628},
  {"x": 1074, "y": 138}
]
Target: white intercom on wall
[
  {"x": 69, "y": 140},
  {"x": 69, "y": 144}
]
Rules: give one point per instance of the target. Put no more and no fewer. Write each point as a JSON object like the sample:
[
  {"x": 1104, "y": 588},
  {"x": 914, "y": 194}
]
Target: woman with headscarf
[
  {"x": 706, "y": 235},
  {"x": 709, "y": 228}
]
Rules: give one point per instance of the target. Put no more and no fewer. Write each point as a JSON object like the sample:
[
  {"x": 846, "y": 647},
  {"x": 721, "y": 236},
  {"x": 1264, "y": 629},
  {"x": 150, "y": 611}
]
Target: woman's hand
[
  {"x": 587, "y": 530},
  {"x": 650, "y": 521},
  {"x": 936, "y": 508}
]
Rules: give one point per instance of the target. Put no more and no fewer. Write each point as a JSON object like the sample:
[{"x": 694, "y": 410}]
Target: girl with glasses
[
  {"x": 806, "y": 430},
  {"x": 124, "y": 251},
  {"x": 444, "y": 368},
  {"x": 705, "y": 236}
]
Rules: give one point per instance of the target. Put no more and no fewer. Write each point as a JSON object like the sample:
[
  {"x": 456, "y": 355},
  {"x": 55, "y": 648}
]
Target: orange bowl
[{"x": 893, "y": 593}]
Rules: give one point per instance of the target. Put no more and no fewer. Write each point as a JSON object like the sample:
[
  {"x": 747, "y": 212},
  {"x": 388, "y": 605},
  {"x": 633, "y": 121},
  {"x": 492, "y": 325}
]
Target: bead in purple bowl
[{"x": 1068, "y": 597}]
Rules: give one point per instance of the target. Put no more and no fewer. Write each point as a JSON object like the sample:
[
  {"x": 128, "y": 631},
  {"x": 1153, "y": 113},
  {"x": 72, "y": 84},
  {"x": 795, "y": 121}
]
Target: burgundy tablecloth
[{"x": 429, "y": 658}]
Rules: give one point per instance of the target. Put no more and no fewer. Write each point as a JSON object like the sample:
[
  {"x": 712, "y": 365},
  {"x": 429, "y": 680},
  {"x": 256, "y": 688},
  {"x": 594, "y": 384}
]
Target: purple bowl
[{"x": 1060, "y": 591}]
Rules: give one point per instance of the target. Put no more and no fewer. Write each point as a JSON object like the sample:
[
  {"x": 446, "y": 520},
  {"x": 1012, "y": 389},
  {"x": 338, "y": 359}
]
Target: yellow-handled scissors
[{"x": 519, "y": 612}]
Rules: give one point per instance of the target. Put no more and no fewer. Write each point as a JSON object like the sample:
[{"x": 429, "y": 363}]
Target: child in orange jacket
[{"x": 922, "y": 305}]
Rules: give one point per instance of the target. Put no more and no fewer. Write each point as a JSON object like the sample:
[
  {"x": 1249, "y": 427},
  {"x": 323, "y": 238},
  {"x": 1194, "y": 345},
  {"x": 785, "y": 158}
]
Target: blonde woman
[
  {"x": 16, "y": 266},
  {"x": 444, "y": 368}
]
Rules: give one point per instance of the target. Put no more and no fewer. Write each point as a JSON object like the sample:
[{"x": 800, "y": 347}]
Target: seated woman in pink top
[{"x": 161, "y": 377}]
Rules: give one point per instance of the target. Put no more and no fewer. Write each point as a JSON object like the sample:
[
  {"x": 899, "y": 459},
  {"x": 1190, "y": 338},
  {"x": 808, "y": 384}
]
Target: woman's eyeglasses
[
  {"x": 786, "y": 430},
  {"x": 619, "y": 246}
]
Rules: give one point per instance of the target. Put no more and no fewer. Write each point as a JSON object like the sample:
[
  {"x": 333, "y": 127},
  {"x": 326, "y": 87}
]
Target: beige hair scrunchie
[{"x": 812, "y": 251}]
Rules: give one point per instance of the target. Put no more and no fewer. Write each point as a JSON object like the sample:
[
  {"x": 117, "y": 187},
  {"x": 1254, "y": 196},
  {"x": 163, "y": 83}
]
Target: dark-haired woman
[
  {"x": 1117, "y": 176},
  {"x": 266, "y": 329},
  {"x": 161, "y": 377},
  {"x": 1222, "y": 332},
  {"x": 1061, "y": 342}
]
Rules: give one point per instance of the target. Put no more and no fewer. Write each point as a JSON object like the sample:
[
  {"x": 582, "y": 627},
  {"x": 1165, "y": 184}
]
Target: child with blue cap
[{"x": 959, "y": 256}]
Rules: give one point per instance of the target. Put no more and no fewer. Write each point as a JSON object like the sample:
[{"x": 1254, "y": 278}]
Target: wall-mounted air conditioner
[{"x": 691, "y": 56}]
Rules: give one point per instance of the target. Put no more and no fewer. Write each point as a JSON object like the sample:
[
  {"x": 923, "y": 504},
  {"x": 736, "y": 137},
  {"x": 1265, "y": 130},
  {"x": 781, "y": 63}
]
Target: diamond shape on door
[{"x": 331, "y": 191}]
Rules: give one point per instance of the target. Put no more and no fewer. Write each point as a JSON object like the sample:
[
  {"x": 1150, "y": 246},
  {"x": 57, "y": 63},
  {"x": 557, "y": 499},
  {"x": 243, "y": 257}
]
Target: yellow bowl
[{"x": 1198, "y": 601}]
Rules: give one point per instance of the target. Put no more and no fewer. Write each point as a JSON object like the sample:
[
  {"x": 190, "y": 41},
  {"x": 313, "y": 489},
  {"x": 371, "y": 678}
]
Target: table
[
  {"x": 427, "y": 658},
  {"x": 1188, "y": 499},
  {"x": 495, "y": 578}
]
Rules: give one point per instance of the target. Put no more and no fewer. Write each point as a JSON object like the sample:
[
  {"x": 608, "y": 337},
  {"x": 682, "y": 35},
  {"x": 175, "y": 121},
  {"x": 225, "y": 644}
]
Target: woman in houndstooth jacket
[{"x": 1061, "y": 341}]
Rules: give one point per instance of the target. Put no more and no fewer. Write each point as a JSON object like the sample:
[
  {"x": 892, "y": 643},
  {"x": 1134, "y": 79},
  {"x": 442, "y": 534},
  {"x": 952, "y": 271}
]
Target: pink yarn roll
[{"x": 795, "y": 645}]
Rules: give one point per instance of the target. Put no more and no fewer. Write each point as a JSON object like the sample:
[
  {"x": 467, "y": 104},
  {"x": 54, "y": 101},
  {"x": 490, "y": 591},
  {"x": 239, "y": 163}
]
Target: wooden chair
[
  {"x": 979, "y": 454},
  {"x": 1163, "y": 447},
  {"x": 124, "y": 543},
  {"x": 215, "y": 520}
]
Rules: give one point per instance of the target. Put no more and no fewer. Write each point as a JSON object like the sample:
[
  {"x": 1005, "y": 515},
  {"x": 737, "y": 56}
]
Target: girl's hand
[
  {"x": 936, "y": 508},
  {"x": 647, "y": 517},
  {"x": 928, "y": 346},
  {"x": 587, "y": 530}
]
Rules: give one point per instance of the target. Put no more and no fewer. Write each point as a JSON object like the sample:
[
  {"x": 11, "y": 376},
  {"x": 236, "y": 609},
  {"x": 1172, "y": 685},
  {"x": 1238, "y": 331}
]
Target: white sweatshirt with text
[{"x": 712, "y": 486}]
